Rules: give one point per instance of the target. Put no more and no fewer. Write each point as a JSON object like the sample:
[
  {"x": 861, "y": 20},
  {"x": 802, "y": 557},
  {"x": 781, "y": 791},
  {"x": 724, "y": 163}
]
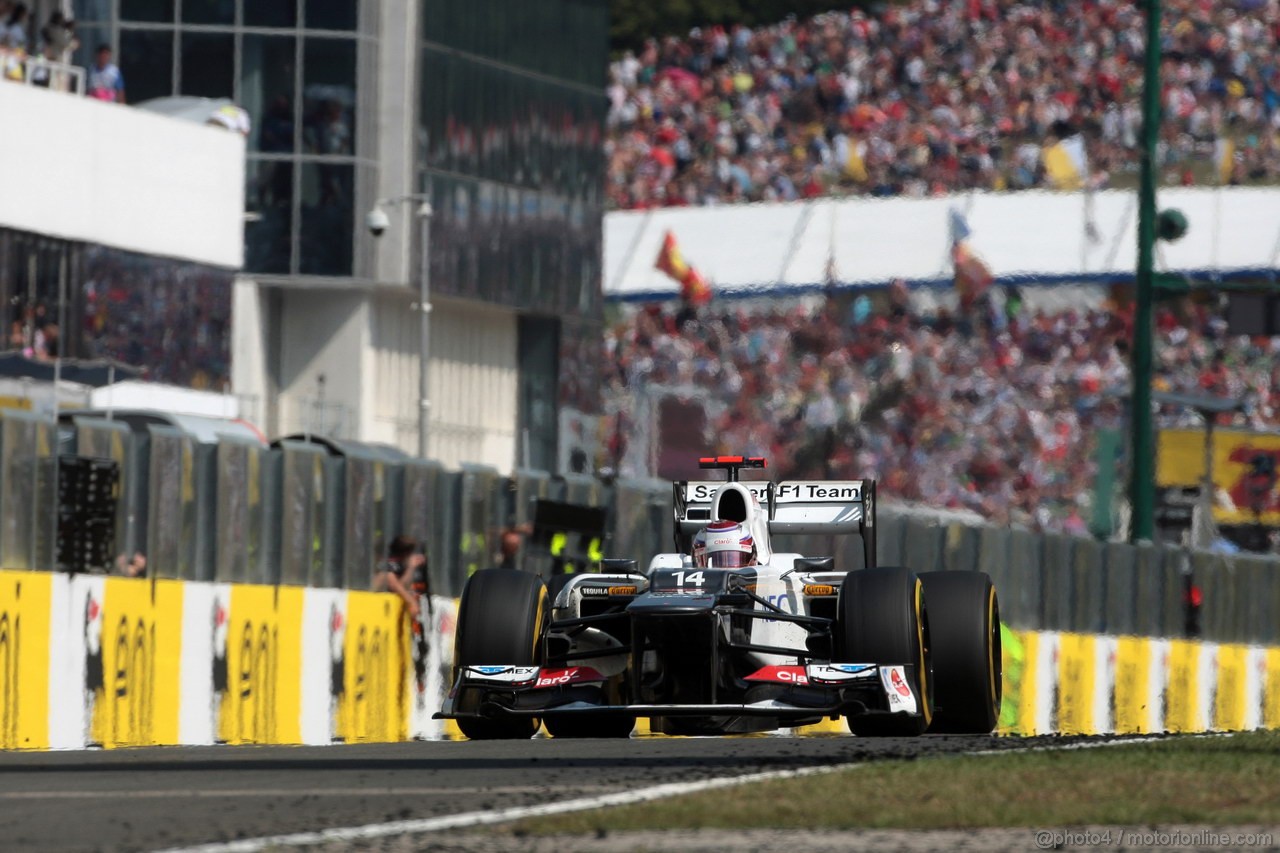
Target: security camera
[{"x": 377, "y": 221}]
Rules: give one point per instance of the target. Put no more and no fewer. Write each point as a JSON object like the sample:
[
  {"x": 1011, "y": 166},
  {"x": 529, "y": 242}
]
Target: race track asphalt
[{"x": 148, "y": 799}]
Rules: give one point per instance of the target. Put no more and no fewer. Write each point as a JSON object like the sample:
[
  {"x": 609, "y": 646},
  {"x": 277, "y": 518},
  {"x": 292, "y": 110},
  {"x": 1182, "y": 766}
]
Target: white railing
[
  {"x": 55, "y": 76},
  {"x": 18, "y": 67}
]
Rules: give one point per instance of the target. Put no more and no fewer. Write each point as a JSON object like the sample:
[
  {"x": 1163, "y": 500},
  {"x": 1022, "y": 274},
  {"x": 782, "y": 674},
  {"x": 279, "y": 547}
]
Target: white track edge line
[{"x": 621, "y": 798}]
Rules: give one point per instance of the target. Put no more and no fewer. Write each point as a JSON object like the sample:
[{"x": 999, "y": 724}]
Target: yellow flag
[
  {"x": 854, "y": 166},
  {"x": 1224, "y": 158},
  {"x": 1066, "y": 163}
]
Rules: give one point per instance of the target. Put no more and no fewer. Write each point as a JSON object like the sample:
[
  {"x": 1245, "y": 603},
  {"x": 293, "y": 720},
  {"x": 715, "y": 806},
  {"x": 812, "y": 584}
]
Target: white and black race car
[{"x": 702, "y": 650}]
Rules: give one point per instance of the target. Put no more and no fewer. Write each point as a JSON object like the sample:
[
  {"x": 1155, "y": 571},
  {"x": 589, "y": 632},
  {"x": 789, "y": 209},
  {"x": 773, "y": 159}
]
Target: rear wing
[{"x": 802, "y": 506}]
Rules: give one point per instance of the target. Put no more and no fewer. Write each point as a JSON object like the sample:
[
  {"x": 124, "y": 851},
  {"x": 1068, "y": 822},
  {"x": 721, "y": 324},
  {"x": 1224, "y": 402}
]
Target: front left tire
[
  {"x": 964, "y": 621},
  {"x": 502, "y": 616}
]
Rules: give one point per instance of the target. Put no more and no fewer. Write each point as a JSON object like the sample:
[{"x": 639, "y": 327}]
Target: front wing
[{"x": 801, "y": 692}]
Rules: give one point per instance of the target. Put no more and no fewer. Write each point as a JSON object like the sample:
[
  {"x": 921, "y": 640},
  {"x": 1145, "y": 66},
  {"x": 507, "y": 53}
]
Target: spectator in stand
[
  {"x": 996, "y": 413},
  {"x": 15, "y": 28},
  {"x": 13, "y": 40},
  {"x": 924, "y": 97},
  {"x": 106, "y": 83},
  {"x": 59, "y": 36}
]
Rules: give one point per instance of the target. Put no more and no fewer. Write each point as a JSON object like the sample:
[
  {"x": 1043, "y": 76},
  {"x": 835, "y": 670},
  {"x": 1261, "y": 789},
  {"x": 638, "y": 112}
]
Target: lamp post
[
  {"x": 377, "y": 224},
  {"x": 1142, "y": 469}
]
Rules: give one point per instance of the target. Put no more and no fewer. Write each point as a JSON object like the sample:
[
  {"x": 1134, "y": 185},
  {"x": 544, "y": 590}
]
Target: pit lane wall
[
  {"x": 123, "y": 662},
  {"x": 115, "y": 662}
]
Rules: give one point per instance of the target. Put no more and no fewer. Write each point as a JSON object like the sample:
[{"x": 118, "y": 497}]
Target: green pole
[{"x": 1142, "y": 487}]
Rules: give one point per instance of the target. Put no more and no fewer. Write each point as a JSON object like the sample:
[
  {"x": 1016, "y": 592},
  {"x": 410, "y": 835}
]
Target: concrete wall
[
  {"x": 474, "y": 383},
  {"x": 86, "y": 170},
  {"x": 324, "y": 335}
]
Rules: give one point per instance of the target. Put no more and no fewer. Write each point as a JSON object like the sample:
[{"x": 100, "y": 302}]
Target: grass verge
[{"x": 1218, "y": 780}]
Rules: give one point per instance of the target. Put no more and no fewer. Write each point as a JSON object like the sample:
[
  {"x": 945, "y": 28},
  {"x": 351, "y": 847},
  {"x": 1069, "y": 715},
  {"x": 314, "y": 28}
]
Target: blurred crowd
[
  {"x": 19, "y": 42},
  {"x": 924, "y": 97},
  {"x": 998, "y": 415},
  {"x": 174, "y": 318}
]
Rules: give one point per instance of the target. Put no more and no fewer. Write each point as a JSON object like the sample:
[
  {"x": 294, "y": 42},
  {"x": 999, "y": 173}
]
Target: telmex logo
[{"x": 853, "y": 667}]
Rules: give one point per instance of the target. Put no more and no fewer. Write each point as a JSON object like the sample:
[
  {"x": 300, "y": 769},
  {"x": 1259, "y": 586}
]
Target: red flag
[
  {"x": 694, "y": 289},
  {"x": 972, "y": 276}
]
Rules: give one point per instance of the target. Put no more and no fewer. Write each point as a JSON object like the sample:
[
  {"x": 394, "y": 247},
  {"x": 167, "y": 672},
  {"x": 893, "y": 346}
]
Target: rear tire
[
  {"x": 502, "y": 616},
  {"x": 881, "y": 619},
  {"x": 964, "y": 624}
]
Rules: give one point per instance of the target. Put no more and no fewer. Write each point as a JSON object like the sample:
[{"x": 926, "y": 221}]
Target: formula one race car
[{"x": 727, "y": 636}]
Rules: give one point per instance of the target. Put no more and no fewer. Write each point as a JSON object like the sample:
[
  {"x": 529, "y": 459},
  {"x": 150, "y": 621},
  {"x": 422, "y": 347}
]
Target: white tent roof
[{"x": 1041, "y": 236}]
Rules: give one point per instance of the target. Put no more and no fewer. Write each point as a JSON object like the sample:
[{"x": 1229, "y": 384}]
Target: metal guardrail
[{"x": 317, "y": 513}]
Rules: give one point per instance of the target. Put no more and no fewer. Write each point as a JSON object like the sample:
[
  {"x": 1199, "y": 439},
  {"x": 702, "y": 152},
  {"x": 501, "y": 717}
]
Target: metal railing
[{"x": 321, "y": 513}]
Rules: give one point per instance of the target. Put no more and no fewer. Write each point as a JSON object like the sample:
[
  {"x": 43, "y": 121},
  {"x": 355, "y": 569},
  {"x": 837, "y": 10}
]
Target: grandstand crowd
[
  {"x": 996, "y": 412},
  {"x": 926, "y": 97}
]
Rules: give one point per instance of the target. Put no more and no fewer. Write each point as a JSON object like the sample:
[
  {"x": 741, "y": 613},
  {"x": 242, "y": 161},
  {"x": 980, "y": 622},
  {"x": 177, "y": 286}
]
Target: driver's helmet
[{"x": 724, "y": 545}]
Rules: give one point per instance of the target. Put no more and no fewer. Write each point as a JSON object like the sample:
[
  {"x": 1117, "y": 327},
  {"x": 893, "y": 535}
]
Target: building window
[
  {"x": 332, "y": 15},
  {"x": 208, "y": 64},
  {"x": 292, "y": 64},
  {"x": 271, "y": 13},
  {"x": 209, "y": 12},
  {"x": 148, "y": 11},
  {"x": 148, "y": 69}
]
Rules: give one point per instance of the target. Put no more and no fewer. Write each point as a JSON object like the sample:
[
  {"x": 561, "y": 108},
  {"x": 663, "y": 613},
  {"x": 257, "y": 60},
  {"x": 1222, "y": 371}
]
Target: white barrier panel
[
  {"x": 324, "y": 618},
  {"x": 122, "y": 177},
  {"x": 196, "y": 723}
]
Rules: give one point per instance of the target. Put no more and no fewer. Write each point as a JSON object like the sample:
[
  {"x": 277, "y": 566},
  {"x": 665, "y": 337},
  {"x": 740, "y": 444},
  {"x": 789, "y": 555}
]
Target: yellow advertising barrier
[
  {"x": 1181, "y": 694},
  {"x": 262, "y": 699},
  {"x": 25, "y": 605},
  {"x": 1133, "y": 685},
  {"x": 374, "y": 705},
  {"x": 1077, "y": 675},
  {"x": 141, "y": 663},
  {"x": 1230, "y": 696}
]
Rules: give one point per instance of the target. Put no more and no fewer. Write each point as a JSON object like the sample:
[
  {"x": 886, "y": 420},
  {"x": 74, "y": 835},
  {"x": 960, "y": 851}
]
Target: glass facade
[
  {"x": 171, "y": 318},
  {"x": 511, "y": 112},
  {"x": 292, "y": 64}
]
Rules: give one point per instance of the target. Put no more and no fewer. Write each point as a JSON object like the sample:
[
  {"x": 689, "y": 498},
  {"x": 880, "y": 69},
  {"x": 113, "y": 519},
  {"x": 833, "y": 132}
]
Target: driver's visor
[{"x": 731, "y": 559}]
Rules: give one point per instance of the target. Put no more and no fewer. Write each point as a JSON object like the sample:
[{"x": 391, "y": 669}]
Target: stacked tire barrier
[{"x": 279, "y": 542}]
